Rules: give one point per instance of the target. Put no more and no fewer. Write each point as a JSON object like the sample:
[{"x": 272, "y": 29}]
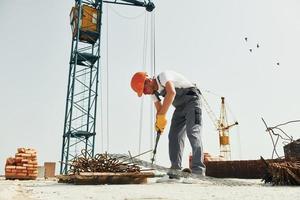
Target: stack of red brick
[
  {"x": 23, "y": 166},
  {"x": 208, "y": 157}
]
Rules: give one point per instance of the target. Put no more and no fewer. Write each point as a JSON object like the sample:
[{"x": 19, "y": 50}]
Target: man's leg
[
  {"x": 193, "y": 130},
  {"x": 176, "y": 139}
]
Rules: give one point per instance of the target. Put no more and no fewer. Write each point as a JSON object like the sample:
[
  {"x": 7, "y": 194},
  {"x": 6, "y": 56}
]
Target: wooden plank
[
  {"x": 89, "y": 178},
  {"x": 132, "y": 174},
  {"x": 66, "y": 178}
]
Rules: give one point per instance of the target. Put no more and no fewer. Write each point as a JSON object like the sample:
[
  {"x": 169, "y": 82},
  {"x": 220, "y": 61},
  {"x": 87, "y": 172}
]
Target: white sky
[{"x": 203, "y": 40}]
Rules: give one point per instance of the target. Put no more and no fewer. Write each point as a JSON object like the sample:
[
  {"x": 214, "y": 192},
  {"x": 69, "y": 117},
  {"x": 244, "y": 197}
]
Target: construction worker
[{"x": 186, "y": 120}]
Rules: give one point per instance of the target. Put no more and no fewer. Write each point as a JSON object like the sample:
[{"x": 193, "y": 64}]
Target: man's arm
[
  {"x": 158, "y": 105},
  {"x": 162, "y": 108}
]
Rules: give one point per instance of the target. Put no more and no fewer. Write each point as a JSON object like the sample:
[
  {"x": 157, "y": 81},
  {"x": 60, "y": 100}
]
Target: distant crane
[{"x": 222, "y": 127}]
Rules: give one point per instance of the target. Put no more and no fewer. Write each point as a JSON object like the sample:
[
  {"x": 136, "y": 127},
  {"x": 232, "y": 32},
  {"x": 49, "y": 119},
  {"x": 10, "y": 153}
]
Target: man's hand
[{"x": 161, "y": 123}]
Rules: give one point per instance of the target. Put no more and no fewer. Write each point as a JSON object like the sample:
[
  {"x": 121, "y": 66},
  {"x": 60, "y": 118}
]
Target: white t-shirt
[{"x": 177, "y": 79}]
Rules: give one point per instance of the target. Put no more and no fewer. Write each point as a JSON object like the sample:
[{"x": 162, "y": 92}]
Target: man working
[{"x": 187, "y": 119}]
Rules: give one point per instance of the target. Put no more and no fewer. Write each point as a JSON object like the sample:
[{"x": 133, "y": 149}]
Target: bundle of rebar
[
  {"x": 101, "y": 163},
  {"x": 284, "y": 173}
]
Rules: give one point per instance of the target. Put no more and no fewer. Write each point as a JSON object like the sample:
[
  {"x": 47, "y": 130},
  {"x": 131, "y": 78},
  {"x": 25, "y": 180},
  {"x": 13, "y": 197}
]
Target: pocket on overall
[{"x": 198, "y": 116}]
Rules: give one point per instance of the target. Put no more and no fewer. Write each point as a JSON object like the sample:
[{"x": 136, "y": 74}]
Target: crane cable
[
  {"x": 153, "y": 73},
  {"x": 107, "y": 81},
  {"x": 144, "y": 61},
  {"x": 107, "y": 70},
  {"x": 144, "y": 68},
  {"x": 126, "y": 17}
]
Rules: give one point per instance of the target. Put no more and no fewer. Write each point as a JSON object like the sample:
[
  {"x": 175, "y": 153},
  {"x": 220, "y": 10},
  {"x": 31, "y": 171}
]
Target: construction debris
[
  {"x": 23, "y": 166},
  {"x": 284, "y": 173},
  {"x": 292, "y": 150},
  {"x": 101, "y": 163},
  {"x": 104, "y": 169}
]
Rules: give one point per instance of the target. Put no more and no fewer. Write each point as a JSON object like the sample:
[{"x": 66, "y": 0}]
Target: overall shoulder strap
[
  {"x": 158, "y": 79},
  {"x": 162, "y": 93}
]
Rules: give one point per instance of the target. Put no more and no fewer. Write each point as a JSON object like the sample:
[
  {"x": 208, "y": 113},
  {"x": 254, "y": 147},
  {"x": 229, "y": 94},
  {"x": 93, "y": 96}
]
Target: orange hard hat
[{"x": 137, "y": 82}]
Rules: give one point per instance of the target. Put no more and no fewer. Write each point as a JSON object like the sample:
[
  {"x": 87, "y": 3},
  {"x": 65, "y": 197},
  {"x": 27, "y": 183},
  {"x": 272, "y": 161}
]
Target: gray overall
[{"x": 186, "y": 120}]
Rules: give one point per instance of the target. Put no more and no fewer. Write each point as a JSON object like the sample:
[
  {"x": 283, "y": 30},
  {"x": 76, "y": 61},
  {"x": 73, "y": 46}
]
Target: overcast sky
[{"x": 203, "y": 40}]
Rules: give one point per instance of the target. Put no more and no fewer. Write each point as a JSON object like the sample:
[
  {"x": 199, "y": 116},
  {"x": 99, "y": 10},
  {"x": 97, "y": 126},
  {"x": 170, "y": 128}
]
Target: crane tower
[{"x": 82, "y": 91}]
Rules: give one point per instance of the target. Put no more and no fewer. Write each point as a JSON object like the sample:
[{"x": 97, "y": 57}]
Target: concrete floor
[{"x": 232, "y": 189}]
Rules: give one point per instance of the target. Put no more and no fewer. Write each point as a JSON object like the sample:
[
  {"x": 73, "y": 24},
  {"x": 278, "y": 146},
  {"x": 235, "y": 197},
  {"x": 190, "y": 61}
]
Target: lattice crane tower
[{"x": 82, "y": 92}]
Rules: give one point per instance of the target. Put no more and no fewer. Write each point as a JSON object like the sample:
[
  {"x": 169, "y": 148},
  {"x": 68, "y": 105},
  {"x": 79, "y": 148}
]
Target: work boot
[
  {"x": 198, "y": 173},
  {"x": 173, "y": 173}
]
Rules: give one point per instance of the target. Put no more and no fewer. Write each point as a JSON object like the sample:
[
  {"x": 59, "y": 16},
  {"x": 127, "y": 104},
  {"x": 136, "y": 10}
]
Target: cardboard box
[{"x": 49, "y": 169}]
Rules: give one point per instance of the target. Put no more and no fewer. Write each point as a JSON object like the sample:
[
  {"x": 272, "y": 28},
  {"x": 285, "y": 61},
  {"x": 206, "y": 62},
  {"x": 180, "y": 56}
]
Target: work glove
[{"x": 161, "y": 123}]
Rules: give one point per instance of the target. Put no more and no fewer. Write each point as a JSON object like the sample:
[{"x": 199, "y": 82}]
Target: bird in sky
[
  {"x": 250, "y": 50},
  {"x": 246, "y": 39},
  {"x": 257, "y": 45},
  {"x": 277, "y": 63}
]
